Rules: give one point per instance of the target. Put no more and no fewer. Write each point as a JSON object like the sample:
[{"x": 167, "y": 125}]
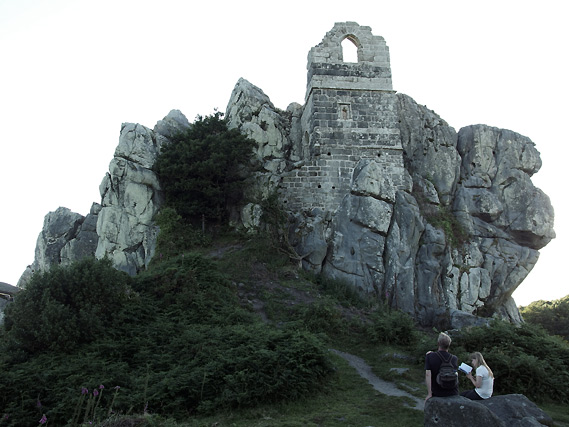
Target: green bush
[
  {"x": 322, "y": 316},
  {"x": 66, "y": 307},
  {"x": 391, "y": 327},
  {"x": 553, "y": 316},
  {"x": 176, "y": 236},
  {"x": 181, "y": 344},
  {"x": 445, "y": 220},
  {"x": 203, "y": 170}
]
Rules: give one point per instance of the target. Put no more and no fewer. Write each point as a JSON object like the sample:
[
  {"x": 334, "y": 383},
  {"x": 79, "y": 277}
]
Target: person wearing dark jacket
[{"x": 433, "y": 362}]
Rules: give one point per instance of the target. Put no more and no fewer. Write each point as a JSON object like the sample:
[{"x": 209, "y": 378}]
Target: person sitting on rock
[
  {"x": 483, "y": 380},
  {"x": 433, "y": 362}
]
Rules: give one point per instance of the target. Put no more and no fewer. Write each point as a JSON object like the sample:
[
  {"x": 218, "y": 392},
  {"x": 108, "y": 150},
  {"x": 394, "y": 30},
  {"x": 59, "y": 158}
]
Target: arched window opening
[{"x": 349, "y": 50}]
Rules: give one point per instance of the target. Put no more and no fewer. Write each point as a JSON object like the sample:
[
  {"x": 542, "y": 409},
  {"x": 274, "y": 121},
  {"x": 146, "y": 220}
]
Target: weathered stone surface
[
  {"x": 496, "y": 168},
  {"x": 250, "y": 110},
  {"x": 378, "y": 188},
  {"x": 65, "y": 237},
  {"x": 174, "y": 123},
  {"x": 122, "y": 226},
  {"x": 7, "y": 289},
  {"x": 429, "y": 145},
  {"x": 131, "y": 196},
  {"x": 498, "y": 411},
  {"x": 380, "y": 191}
]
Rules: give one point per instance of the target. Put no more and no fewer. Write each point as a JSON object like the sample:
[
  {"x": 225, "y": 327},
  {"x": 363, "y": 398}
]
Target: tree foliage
[
  {"x": 202, "y": 171},
  {"x": 553, "y": 316}
]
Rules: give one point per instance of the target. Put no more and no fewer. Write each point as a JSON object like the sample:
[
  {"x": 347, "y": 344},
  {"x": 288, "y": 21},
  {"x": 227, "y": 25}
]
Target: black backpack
[{"x": 447, "y": 377}]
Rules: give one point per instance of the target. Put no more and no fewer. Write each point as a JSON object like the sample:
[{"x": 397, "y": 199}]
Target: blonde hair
[
  {"x": 444, "y": 341},
  {"x": 481, "y": 362}
]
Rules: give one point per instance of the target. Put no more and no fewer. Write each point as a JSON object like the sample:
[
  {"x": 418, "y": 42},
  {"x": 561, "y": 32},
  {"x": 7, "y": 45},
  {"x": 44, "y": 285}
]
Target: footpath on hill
[{"x": 384, "y": 387}]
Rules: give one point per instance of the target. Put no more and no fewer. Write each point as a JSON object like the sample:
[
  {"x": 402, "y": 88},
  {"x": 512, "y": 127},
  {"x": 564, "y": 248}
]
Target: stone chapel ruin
[{"x": 361, "y": 171}]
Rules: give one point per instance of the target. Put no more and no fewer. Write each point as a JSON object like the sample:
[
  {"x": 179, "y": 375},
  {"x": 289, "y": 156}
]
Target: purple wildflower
[
  {"x": 117, "y": 387},
  {"x": 84, "y": 390},
  {"x": 101, "y": 387},
  {"x": 95, "y": 393},
  {"x": 38, "y": 403},
  {"x": 43, "y": 419}
]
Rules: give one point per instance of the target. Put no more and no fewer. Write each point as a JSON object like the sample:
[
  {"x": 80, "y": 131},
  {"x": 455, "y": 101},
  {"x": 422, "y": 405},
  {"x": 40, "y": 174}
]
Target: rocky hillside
[{"x": 440, "y": 224}]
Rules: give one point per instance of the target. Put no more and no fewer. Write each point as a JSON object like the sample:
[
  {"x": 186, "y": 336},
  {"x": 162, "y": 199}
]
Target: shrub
[
  {"x": 322, "y": 316},
  {"x": 181, "y": 345},
  {"x": 391, "y": 327},
  {"x": 445, "y": 220},
  {"x": 553, "y": 316},
  {"x": 202, "y": 171},
  {"x": 176, "y": 236},
  {"x": 66, "y": 306}
]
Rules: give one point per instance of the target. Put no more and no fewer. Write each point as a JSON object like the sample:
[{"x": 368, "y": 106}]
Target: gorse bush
[{"x": 177, "y": 236}]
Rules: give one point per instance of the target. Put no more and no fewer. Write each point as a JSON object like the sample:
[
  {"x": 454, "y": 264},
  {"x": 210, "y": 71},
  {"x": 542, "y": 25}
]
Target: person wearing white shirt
[{"x": 483, "y": 380}]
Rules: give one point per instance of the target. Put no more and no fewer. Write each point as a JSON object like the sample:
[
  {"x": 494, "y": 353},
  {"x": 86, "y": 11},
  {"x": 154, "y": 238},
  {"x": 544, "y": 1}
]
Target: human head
[
  {"x": 444, "y": 341},
  {"x": 478, "y": 360}
]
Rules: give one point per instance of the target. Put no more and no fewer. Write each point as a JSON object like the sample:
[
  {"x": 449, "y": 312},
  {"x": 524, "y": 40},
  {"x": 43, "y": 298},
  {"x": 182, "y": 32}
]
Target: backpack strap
[{"x": 442, "y": 358}]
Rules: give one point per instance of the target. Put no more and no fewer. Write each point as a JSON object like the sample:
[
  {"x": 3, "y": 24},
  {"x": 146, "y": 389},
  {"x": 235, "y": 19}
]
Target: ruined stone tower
[{"x": 350, "y": 113}]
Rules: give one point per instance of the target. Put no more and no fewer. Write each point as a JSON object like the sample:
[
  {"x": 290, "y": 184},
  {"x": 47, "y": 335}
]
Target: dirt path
[{"x": 378, "y": 384}]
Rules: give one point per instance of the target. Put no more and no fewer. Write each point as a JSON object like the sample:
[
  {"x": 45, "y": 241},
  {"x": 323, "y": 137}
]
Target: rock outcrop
[
  {"x": 440, "y": 224},
  {"x": 65, "y": 237},
  {"x": 511, "y": 410},
  {"x": 381, "y": 192},
  {"x": 121, "y": 227}
]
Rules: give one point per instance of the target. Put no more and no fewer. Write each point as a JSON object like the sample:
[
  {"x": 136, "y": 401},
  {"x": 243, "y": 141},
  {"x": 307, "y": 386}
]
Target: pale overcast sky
[{"x": 71, "y": 71}]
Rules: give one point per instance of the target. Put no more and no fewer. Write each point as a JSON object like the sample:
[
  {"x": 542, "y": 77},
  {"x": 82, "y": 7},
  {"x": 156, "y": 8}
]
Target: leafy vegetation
[
  {"x": 202, "y": 171},
  {"x": 553, "y": 316},
  {"x": 66, "y": 307},
  {"x": 444, "y": 219},
  {"x": 181, "y": 344}
]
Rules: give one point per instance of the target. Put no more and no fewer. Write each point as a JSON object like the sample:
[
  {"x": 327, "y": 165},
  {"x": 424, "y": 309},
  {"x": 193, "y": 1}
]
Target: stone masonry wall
[{"x": 350, "y": 114}]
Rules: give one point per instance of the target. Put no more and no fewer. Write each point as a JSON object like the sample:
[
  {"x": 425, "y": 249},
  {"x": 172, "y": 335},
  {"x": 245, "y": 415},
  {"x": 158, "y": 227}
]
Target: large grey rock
[
  {"x": 429, "y": 145},
  {"x": 253, "y": 113},
  {"x": 394, "y": 231},
  {"x": 65, "y": 237},
  {"x": 122, "y": 226},
  {"x": 131, "y": 196},
  {"x": 512, "y": 410},
  {"x": 496, "y": 171}
]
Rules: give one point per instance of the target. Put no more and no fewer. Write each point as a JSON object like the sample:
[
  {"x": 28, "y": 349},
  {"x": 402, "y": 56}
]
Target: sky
[{"x": 72, "y": 71}]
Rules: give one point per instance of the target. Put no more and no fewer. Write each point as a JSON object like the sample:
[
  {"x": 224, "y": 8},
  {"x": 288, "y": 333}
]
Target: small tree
[{"x": 202, "y": 171}]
